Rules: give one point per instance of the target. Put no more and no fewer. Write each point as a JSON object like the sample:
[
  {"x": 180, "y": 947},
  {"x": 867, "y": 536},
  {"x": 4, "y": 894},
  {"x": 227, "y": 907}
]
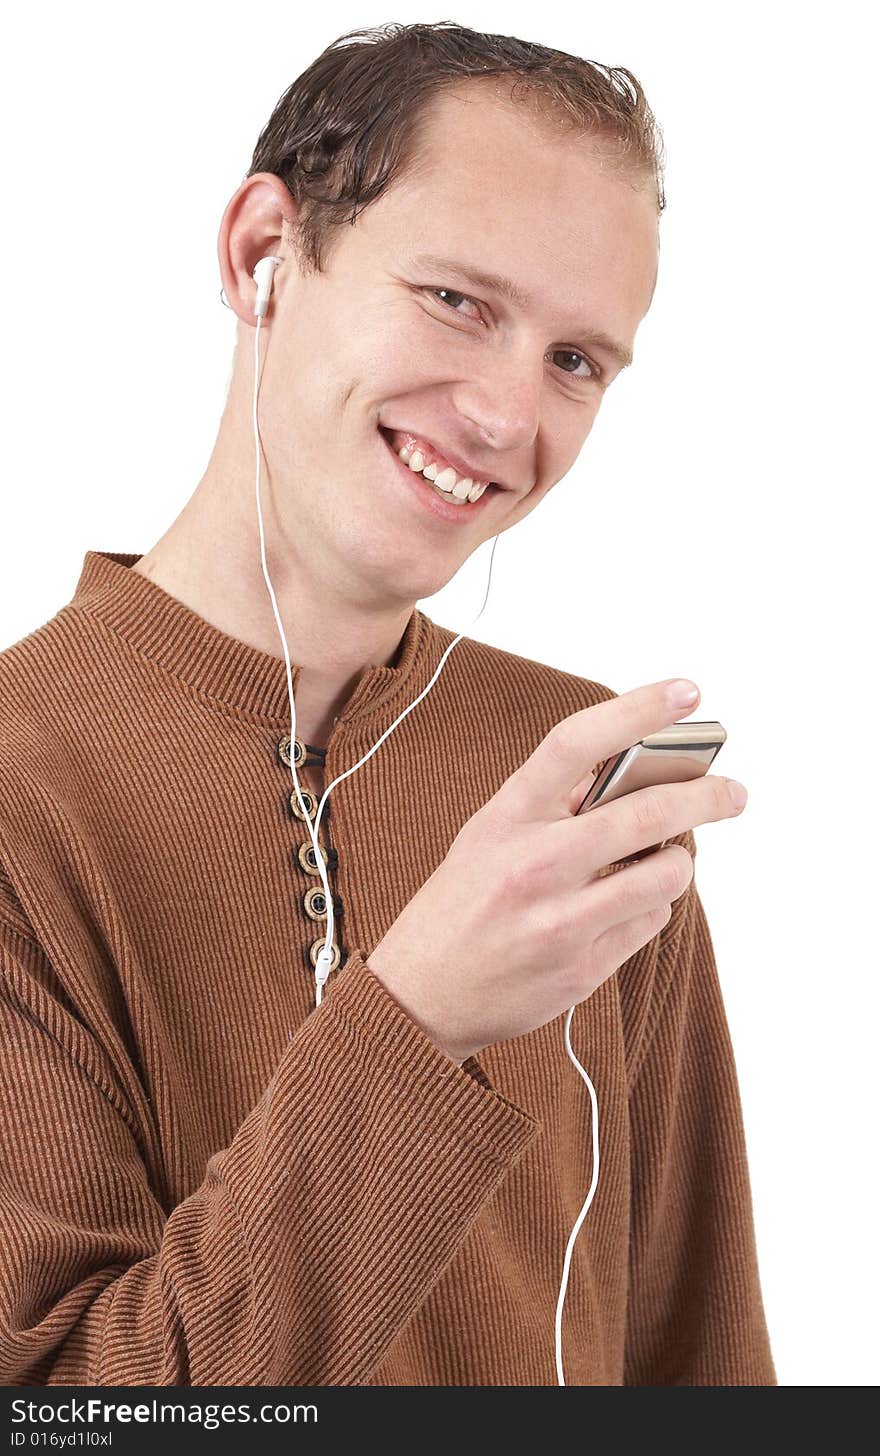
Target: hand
[{"x": 516, "y": 924}]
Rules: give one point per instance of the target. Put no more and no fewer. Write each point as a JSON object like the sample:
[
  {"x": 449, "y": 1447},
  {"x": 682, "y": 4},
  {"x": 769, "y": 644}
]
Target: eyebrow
[{"x": 497, "y": 283}]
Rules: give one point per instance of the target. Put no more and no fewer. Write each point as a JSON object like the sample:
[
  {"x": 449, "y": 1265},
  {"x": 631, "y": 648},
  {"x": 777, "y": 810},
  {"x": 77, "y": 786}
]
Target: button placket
[{"x": 313, "y": 901}]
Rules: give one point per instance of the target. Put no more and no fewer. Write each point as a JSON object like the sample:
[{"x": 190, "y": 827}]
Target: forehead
[{"x": 490, "y": 177}]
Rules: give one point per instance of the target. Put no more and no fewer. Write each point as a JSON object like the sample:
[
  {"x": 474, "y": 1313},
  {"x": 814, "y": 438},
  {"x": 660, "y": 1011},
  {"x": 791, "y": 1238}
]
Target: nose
[{"x": 504, "y": 403}]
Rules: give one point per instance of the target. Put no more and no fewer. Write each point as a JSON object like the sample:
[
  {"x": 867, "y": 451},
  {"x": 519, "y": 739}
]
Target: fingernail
[
  {"x": 681, "y": 692},
  {"x": 738, "y": 793}
]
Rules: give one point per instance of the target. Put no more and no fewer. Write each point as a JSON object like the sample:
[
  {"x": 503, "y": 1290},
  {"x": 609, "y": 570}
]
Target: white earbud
[{"x": 264, "y": 275}]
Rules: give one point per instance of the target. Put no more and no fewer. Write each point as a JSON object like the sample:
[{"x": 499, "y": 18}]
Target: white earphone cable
[
  {"x": 560, "y": 1375},
  {"x": 325, "y": 957}
]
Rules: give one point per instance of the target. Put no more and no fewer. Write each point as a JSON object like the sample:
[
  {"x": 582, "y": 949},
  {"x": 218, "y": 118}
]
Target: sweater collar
[{"x": 167, "y": 631}]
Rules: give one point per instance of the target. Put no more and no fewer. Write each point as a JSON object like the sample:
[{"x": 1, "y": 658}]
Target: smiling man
[
  {"x": 468, "y": 324},
  {"x": 206, "y": 1178}
]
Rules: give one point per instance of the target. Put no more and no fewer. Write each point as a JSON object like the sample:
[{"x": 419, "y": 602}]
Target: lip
[
  {"x": 429, "y": 497},
  {"x": 443, "y": 457}
]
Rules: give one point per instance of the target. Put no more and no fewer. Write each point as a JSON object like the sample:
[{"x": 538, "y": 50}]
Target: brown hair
[{"x": 348, "y": 126}]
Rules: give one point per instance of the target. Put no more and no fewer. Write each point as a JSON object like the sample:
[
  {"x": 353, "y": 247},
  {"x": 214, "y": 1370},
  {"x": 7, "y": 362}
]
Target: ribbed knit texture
[{"x": 204, "y": 1180}]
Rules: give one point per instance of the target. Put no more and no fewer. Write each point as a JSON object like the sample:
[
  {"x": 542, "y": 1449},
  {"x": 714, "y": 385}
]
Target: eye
[
  {"x": 450, "y": 294},
  {"x": 594, "y": 372}
]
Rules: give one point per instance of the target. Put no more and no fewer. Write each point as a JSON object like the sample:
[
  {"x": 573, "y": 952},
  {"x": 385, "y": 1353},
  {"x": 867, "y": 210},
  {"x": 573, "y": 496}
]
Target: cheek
[
  {"x": 378, "y": 345},
  {"x": 389, "y": 360},
  {"x": 401, "y": 341},
  {"x": 565, "y": 428}
]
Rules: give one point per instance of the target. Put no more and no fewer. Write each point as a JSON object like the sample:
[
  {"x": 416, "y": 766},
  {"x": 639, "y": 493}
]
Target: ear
[{"x": 257, "y": 221}]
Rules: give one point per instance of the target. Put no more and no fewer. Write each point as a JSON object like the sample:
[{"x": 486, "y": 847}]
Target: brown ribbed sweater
[{"x": 204, "y": 1180}]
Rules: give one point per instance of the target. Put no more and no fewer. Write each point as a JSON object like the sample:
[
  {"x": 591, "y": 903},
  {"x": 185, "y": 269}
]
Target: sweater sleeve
[
  {"x": 695, "y": 1309},
  {"x": 313, "y": 1238}
]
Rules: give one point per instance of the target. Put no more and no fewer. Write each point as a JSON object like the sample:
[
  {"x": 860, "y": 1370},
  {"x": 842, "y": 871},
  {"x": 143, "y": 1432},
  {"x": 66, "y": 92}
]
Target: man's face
[{"x": 373, "y": 351}]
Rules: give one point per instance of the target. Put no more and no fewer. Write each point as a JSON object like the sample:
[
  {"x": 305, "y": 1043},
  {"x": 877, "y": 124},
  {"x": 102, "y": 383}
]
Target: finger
[
  {"x": 640, "y": 889},
  {"x": 541, "y": 788},
  {"x": 614, "y": 831},
  {"x": 622, "y": 941}
]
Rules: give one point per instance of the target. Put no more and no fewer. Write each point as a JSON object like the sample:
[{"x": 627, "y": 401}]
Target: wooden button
[
  {"x": 315, "y": 950},
  {"x": 299, "y": 750},
  {"x": 315, "y": 905},
  {"x": 310, "y": 801},
  {"x": 305, "y": 855}
]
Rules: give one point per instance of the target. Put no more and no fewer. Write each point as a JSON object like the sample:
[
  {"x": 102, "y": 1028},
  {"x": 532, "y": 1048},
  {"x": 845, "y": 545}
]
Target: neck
[{"x": 209, "y": 558}]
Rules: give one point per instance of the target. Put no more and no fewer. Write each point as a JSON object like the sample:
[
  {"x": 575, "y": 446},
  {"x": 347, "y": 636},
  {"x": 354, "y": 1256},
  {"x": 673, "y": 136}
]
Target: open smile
[{"x": 441, "y": 503}]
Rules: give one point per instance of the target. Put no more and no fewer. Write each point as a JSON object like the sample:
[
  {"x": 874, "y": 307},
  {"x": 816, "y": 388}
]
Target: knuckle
[
  {"x": 558, "y": 933},
  {"x": 648, "y": 809},
  {"x": 519, "y": 879},
  {"x": 630, "y": 897},
  {"x": 492, "y": 820},
  {"x": 654, "y": 921},
  {"x": 721, "y": 798},
  {"x": 668, "y": 880},
  {"x": 545, "y": 931},
  {"x": 681, "y": 869},
  {"x": 560, "y": 741},
  {"x": 638, "y": 932}
]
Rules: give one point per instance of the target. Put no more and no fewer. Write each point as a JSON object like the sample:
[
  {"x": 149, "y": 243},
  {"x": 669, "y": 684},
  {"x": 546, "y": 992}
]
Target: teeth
[{"x": 444, "y": 480}]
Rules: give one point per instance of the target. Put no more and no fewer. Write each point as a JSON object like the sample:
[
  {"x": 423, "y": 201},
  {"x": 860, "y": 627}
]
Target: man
[{"x": 208, "y": 1179}]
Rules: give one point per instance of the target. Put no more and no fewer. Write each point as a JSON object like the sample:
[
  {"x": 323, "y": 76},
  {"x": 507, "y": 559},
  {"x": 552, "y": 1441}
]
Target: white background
[{"x": 716, "y": 525}]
